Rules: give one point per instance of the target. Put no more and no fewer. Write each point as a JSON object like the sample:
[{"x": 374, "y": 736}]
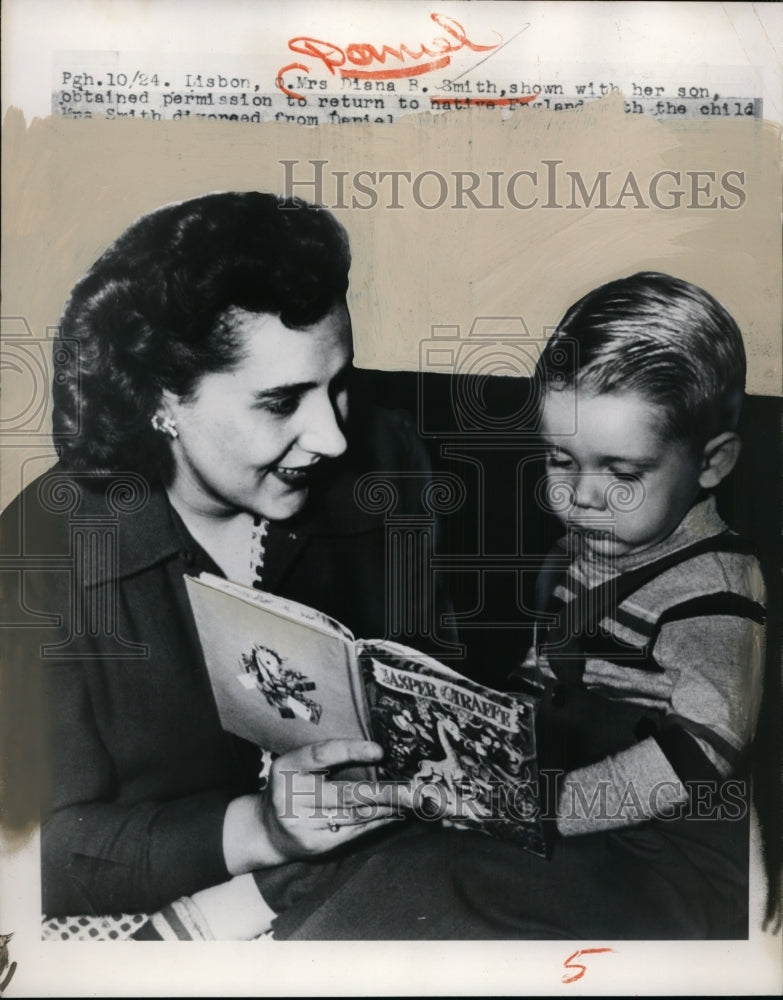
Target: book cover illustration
[
  {"x": 469, "y": 752},
  {"x": 283, "y": 688}
]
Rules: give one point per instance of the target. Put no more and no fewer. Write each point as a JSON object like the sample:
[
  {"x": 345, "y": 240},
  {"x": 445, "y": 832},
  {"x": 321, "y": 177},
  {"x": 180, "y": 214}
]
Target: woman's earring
[{"x": 165, "y": 425}]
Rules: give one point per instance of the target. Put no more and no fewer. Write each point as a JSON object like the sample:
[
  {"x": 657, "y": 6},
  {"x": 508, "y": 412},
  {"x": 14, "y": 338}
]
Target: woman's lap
[{"x": 424, "y": 882}]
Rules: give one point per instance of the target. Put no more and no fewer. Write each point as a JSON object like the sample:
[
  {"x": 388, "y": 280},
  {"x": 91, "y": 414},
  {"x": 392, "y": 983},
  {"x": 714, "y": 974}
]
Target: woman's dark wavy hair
[
  {"x": 661, "y": 337},
  {"x": 151, "y": 314}
]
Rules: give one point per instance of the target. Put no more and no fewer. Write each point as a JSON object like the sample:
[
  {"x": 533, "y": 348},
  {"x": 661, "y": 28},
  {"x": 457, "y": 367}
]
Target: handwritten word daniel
[{"x": 363, "y": 61}]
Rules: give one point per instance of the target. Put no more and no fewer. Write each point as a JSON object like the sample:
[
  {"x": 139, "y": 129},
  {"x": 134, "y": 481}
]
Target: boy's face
[{"x": 611, "y": 474}]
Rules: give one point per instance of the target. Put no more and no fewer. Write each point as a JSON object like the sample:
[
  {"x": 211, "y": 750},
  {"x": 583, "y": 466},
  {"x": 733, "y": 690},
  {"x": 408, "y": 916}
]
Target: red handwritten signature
[{"x": 362, "y": 60}]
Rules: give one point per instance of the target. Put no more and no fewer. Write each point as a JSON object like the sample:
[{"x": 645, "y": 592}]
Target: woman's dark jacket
[{"x": 136, "y": 770}]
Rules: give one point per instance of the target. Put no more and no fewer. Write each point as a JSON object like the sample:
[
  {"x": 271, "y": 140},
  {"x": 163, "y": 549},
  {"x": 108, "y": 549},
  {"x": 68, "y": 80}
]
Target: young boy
[
  {"x": 653, "y": 656},
  {"x": 650, "y": 656}
]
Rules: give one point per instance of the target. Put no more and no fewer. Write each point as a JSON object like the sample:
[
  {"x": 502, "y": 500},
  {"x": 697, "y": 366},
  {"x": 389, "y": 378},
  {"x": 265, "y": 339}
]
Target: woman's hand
[{"x": 302, "y": 813}]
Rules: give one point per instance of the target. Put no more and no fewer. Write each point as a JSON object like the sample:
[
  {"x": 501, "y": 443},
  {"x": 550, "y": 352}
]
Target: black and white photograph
[{"x": 390, "y": 530}]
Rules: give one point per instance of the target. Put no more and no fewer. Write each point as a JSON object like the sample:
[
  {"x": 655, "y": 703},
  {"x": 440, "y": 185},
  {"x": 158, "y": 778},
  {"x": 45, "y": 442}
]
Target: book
[{"x": 285, "y": 675}]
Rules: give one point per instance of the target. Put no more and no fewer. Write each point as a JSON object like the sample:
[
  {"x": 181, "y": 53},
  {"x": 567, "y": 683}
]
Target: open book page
[
  {"x": 403, "y": 654},
  {"x": 278, "y": 681},
  {"x": 469, "y": 751},
  {"x": 292, "y": 610}
]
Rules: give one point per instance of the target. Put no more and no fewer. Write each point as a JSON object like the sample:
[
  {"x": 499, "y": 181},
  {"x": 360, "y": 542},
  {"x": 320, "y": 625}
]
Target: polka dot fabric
[{"x": 117, "y": 927}]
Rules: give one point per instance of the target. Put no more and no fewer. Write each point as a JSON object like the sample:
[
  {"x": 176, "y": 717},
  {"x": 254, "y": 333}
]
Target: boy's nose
[{"x": 590, "y": 491}]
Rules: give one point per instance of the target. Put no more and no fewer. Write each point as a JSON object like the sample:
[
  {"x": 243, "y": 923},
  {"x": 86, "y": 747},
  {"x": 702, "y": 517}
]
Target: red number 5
[{"x": 582, "y": 969}]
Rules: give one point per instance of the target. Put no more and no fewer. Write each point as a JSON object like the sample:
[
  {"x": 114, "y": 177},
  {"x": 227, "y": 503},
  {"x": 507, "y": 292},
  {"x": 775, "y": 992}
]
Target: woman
[{"x": 201, "y": 420}]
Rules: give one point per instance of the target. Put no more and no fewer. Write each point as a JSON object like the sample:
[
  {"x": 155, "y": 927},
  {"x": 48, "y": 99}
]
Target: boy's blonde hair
[{"x": 659, "y": 336}]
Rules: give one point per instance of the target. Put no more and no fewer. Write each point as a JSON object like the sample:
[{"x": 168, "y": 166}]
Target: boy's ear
[{"x": 719, "y": 458}]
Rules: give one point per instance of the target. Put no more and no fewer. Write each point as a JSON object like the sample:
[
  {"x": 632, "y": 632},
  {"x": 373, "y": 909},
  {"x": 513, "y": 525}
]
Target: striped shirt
[{"x": 689, "y": 643}]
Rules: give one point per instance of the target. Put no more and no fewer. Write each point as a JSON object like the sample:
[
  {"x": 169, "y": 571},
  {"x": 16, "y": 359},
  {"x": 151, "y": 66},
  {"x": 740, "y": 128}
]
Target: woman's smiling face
[{"x": 251, "y": 438}]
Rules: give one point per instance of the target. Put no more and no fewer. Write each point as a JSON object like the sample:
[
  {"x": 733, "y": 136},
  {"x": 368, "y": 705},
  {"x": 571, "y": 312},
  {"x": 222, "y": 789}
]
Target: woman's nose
[{"x": 322, "y": 433}]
